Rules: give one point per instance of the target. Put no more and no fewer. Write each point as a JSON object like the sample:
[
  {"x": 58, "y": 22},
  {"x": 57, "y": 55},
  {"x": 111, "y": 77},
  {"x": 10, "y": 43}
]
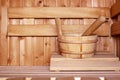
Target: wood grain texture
[
  {"x": 42, "y": 47},
  {"x": 85, "y": 65},
  {"x": 14, "y": 42},
  {"x": 38, "y": 42},
  {"x": 59, "y": 27},
  {"x": 53, "y": 12},
  {"x": 115, "y": 9},
  {"x": 98, "y": 62},
  {"x": 103, "y": 42},
  {"x": 50, "y": 30},
  {"x": 14, "y": 53},
  {"x": 29, "y": 55},
  {"x": 104, "y": 56},
  {"x": 49, "y": 41},
  {"x": 115, "y": 29},
  {"x": 28, "y": 51},
  {"x": 43, "y": 72},
  {"x": 94, "y": 26},
  {"x": 3, "y": 34},
  {"x": 38, "y": 51}
]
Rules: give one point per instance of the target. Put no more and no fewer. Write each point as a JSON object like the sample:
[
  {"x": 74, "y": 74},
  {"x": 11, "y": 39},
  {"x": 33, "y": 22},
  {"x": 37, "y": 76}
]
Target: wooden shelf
[
  {"x": 97, "y": 62},
  {"x": 43, "y": 72}
]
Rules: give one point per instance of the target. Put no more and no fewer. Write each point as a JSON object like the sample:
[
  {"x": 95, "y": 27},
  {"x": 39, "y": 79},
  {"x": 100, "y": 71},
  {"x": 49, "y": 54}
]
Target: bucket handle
[{"x": 59, "y": 27}]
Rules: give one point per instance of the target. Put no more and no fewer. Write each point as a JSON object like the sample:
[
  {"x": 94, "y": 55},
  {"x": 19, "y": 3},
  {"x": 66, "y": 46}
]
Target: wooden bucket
[{"x": 76, "y": 46}]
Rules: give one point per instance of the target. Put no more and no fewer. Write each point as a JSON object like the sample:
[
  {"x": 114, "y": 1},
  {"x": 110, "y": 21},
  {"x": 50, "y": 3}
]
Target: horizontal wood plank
[
  {"x": 99, "y": 56},
  {"x": 50, "y": 30},
  {"x": 43, "y": 72},
  {"x": 85, "y": 65},
  {"x": 115, "y": 29},
  {"x": 55, "y": 12},
  {"x": 115, "y": 9},
  {"x": 102, "y": 62}
]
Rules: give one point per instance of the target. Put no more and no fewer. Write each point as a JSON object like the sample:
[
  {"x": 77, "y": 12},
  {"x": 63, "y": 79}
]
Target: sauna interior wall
[{"x": 36, "y": 51}]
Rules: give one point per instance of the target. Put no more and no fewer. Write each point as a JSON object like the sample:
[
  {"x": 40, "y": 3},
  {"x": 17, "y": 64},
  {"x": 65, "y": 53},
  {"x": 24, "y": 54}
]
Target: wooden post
[
  {"x": 94, "y": 26},
  {"x": 3, "y": 34}
]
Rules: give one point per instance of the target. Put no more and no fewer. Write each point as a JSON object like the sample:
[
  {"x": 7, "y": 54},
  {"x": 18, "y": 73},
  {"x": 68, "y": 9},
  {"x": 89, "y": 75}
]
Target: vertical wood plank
[
  {"x": 29, "y": 55},
  {"x": 14, "y": 53},
  {"x": 14, "y": 42},
  {"x": 49, "y": 42},
  {"x": 38, "y": 42},
  {"x": 28, "y": 51},
  {"x": 38, "y": 51},
  {"x": 75, "y": 3},
  {"x": 28, "y": 45},
  {"x": 3, "y": 34},
  {"x": 22, "y": 51}
]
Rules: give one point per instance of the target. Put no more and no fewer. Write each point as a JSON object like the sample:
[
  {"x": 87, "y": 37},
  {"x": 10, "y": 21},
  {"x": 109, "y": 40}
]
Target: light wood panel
[
  {"x": 29, "y": 55},
  {"x": 84, "y": 65},
  {"x": 50, "y": 30},
  {"x": 38, "y": 42},
  {"x": 3, "y": 34},
  {"x": 53, "y": 12},
  {"x": 14, "y": 42},
  {"x": 49, "y": 41},
  {"x": 42, "y": 47},
  {"x": 14, "y": 53},
  {"x": 104, "y": 56}
]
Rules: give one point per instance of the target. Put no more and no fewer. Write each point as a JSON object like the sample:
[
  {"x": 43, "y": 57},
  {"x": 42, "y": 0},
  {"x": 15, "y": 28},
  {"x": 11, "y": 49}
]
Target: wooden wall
[{"x": 20, "y": 51}]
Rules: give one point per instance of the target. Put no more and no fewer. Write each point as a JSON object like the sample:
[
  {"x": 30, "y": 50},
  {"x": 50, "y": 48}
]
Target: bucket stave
[{"x": 76, "y": 46}]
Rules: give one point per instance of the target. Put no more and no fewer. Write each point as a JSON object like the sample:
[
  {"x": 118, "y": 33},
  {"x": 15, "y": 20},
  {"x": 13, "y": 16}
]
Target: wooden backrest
[{"x": 52, "y": 12}]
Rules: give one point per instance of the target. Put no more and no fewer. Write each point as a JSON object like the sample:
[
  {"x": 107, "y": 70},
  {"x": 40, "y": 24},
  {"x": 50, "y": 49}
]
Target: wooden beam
[
  {"x": 115, "y": 9},
  {"x": 50, "y": 30},
  {"x": 115, "y": 29},
  {"x": 55, "y": 12}
]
